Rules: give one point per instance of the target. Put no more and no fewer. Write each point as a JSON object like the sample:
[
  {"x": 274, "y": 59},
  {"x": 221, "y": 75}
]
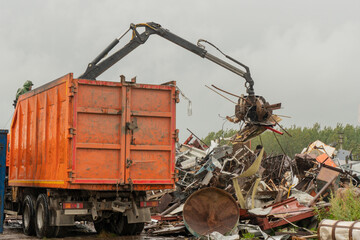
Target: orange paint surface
[
  {"x": 84, "y": 134},
  {"x": 327, "y": 159}
]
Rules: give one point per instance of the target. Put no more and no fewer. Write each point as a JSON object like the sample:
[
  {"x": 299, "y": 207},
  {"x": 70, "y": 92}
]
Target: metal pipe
[{"x": 104, "y": 52}]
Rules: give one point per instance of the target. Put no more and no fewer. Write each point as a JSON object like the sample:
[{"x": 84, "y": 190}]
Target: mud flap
[
  {"x": 60, "y": 219},
  {"x": 144, "y": 215}
]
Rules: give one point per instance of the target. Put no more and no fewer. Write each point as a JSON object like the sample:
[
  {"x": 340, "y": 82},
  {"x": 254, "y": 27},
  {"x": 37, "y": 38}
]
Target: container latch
[{"x": 128, "y": 163}]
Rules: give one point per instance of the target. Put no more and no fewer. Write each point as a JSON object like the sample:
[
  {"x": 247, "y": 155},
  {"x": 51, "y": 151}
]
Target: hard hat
[{"x": 28, "y": 83}]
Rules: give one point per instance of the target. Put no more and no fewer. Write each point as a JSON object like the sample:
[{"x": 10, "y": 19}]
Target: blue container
[{"x": 3, "y": 143}]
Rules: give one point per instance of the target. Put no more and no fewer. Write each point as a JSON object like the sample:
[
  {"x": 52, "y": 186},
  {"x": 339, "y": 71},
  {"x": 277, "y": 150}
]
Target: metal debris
[{"x": 271, "y": 191}]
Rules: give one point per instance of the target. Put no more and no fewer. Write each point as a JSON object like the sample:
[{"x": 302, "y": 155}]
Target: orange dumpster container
[{"x": 94, "y": 135}]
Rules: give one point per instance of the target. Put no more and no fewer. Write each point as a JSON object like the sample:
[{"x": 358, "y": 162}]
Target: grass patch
[
  {"x": 344, "y": 206},
  {"x": 248, "y": 236}
]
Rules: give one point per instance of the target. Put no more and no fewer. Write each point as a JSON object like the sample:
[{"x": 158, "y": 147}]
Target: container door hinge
[
  {"x": 72, "y": 132},
  {"x": 129, "y": 162},
  {"x": 176, "y": 135},
  {"x": 175, "y": 175},
  {"x": 176, "y": 97},
  {"x": 71, "y": 174},
  {"x": 72, "y": 90}
]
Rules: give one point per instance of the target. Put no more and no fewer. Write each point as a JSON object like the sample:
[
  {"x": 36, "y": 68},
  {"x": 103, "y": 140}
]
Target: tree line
[{"x": 300, "y": 138}]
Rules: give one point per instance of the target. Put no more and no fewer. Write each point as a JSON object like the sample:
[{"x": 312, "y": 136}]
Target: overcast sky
[{"x": 304, "y": 54}]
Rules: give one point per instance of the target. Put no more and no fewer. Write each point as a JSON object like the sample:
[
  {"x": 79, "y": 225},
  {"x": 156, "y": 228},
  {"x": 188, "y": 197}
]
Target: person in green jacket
[{"x": 26, "y": 88}]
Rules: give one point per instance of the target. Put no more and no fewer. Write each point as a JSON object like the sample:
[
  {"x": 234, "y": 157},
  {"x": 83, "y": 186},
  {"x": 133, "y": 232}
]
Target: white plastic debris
[{"x": 219, "y": 236}]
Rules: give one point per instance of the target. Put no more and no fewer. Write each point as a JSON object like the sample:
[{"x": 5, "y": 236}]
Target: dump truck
[{"x": 84, "y": 149}]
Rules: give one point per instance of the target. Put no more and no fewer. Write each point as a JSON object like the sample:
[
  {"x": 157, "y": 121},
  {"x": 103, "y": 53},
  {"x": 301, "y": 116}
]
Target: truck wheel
[
  {"x": 28, "y": 216},
  {"x": 57, "y": 232},
  {"x": 117, "y": 224},
  {"x": 129, "y": 228},
  {"x": 42, "y": 218},
  {"x": 103, "y": 225},
  {"x": 99, "y": 226},
  {"x": 139, "y": 228}
]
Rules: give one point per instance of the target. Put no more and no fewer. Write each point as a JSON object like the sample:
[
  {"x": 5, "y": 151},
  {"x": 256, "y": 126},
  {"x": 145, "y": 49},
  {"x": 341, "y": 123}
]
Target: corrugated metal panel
[{"x": 38, "y": 138}]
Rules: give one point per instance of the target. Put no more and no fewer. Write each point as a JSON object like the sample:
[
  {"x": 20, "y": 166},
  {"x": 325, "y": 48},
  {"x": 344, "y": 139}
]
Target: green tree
[{"x": 300, "y": 138}]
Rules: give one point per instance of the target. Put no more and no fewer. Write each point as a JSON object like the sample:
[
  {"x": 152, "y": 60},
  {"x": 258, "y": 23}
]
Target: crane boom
[{"x": 96, "y": 68}]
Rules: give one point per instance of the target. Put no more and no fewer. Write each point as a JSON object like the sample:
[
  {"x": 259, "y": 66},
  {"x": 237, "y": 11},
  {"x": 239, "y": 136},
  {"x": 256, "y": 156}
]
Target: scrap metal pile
[{"x": 221, "y": 188}]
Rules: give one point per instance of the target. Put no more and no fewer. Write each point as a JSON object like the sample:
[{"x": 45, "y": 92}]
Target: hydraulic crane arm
[{"x": 96, "y": 68}]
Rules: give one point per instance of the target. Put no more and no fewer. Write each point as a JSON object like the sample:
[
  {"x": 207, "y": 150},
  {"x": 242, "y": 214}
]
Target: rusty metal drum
[{"x": 210, "y": 209}]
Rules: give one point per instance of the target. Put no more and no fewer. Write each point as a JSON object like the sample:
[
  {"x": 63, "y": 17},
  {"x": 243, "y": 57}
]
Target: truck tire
[
  {"x": 99, "y": 226},
  {"x": 28, "y": 215},
  {"x": 117, "y": 224},
  {"x": 139, "y": 228},
  {"x": 58, "y": 232},
  {"x": 103, "y": 225},
  {"x": 42, "y": 218},
  {"x": 129, "y": 228}
]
